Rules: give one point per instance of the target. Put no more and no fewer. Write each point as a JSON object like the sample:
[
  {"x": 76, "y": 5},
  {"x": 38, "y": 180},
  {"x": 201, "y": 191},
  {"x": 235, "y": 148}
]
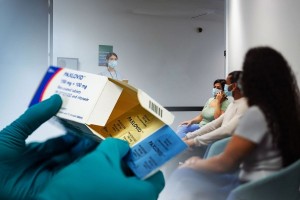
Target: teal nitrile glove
[
  {"x": 100, "y": 175},
  {"x": 26, "y": 169}
]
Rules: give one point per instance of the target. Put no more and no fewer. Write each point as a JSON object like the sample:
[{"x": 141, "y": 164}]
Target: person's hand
[
  {"x": 184, "y": 138},
  {"x": 193, "y": 163},
  {"x": 26, "y": 169},
  {"x": 100, "y": 175},
  {"x": 187, "y": 123},
  {"x": 220, "y": 96},
  {"x": 190, "y": 142}
]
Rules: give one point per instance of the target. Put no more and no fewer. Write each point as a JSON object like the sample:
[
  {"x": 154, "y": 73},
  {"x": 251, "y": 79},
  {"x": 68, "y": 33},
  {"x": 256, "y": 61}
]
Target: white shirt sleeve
[
  {"x": 225, "y": 129},
  {"x": 217, "y": 134},
  {"x": 253, "y": 125},
  {"x": 207, "y": 128}
]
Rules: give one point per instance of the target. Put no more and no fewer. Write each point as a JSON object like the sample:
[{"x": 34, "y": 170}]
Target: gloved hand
[
  {"x": 26, "y": 169},
  {"x": 100, "y": 175}
]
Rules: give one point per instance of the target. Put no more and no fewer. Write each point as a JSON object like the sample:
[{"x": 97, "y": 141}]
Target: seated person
[
  {"x": 224, "y": 125},
  {"x": 216, "y": 129},
  {"x": 214, "y": 107},
  {"x": 264, "y": 142}
]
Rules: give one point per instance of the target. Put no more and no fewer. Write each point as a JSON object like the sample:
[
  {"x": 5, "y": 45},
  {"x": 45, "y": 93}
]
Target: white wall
[
  {"x": 164, "y": 56},
  {"x": 253, "y": 23},
  {"x": 23, "y": 56},
  {"x": 163, "y": 48}
]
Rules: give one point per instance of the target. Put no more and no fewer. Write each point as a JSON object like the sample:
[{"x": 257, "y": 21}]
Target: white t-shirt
[
  {"x": 266, "y": 158},
  {"x": 221, "y": 127}
]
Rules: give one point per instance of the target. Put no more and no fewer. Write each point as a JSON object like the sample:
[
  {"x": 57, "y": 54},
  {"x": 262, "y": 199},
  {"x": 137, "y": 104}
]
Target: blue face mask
[
  {"x": 112, "y": 63},
  {"x": 215, "y": 91},
  {"x": 226, "y": 91}
]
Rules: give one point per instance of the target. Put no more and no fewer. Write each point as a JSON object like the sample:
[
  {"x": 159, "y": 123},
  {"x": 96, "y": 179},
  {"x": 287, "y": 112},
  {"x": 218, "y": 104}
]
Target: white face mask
[
  {"x": 215, "y": 91},
  {"x": 112, "y": 63}
]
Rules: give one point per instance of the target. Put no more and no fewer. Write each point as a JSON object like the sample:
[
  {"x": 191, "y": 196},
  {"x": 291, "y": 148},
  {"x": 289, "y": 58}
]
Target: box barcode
[{"x": 156, "y": 108}]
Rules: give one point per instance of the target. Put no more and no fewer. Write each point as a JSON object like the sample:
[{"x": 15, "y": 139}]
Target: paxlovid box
[{"x": 101, "y": 107}]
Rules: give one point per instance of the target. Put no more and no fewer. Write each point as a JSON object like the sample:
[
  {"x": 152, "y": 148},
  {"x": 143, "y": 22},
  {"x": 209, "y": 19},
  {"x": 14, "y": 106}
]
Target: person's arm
[
  {"x": 250, "y": 132},
  {"x": 213, "y": 125},
  {"x": 218, "y": 108},
  {"x": 235, "y": 152},
  {"x": 198, "y": 118},
  {"x": 224, "y": 130},
  {"x": 195, "y": 120},
  {"x": 218, "y": 133}
]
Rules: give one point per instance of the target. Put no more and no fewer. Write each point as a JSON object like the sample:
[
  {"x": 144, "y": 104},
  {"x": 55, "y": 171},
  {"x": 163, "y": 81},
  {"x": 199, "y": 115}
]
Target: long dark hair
[{"x": 269, "y": 83}]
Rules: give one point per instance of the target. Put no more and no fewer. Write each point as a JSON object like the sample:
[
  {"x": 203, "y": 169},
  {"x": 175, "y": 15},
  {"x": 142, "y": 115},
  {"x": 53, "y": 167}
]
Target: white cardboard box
[{"x": 101, "y": 107}]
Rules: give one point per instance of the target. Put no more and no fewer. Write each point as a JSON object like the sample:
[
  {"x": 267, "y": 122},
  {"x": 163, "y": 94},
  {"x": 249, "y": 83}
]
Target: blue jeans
[
  {"x": 186, "y": 183},
  {"x": 182, "y": 130}
]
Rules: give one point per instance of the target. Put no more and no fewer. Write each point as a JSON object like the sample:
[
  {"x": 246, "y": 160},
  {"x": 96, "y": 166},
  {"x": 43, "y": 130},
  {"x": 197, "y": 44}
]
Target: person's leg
[
  {"x": 186, "y": 183},
  {"x": 182, "y": 130},
  {"x": 172, "y": 165}
]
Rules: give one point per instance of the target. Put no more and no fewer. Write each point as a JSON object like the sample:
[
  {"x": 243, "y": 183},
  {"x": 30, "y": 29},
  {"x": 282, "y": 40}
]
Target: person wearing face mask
[
  {"x": 227, "y": 122},
  {"x": 110, "y": 71},
  {"x": 263, "y": 143},
  {"x": 214, "y": 107}
]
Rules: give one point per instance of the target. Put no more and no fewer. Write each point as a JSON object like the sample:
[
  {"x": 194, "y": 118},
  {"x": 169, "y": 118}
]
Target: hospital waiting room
[{"x": 150, "y": 100}]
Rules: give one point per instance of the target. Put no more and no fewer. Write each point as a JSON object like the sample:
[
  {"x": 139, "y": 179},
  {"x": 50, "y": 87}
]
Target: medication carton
[{"x": 100, "y": 107}]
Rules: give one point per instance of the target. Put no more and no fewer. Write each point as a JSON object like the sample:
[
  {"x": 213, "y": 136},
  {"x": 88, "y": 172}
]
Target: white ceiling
[{"x": 193, "y": 9}]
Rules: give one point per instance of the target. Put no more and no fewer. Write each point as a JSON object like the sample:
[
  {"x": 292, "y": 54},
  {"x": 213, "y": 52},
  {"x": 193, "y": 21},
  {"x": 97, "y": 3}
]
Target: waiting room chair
[
  {"x": 282, "y": 185},
  {"x": 216, "y": 147}
]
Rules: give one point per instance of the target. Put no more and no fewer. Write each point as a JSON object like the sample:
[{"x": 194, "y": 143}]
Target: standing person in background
[
  {"x": 214, "y": 107},
  {"x": 110, "y": 71}
]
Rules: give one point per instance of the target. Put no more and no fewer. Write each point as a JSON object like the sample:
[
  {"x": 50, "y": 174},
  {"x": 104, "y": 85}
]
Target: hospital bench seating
[{"x": 282, "y": 185}]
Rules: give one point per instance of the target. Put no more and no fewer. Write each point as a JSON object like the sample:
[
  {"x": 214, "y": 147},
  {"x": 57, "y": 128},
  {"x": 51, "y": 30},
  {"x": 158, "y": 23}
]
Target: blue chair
[
  {"x": 216, "y": 147},
  {"x": 284, "y": 184}
]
